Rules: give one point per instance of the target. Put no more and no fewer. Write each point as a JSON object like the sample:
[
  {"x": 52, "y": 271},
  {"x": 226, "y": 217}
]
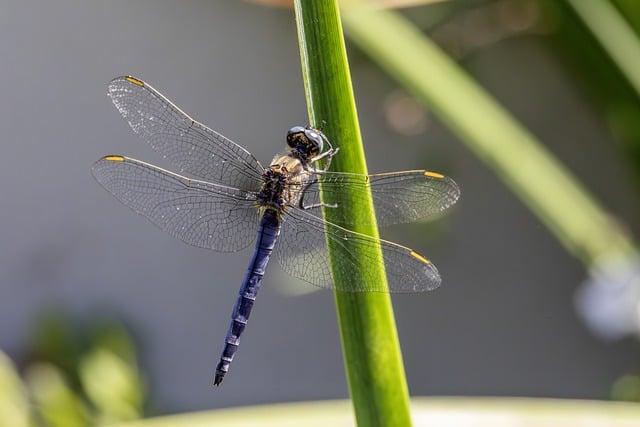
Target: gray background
[{"x": 503, "y": 322}]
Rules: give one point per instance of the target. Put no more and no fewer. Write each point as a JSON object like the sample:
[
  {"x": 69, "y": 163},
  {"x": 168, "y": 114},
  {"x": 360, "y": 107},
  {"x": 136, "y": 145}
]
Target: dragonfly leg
[
  {"x": 304, "y": 207},
  {"x": 319, "y": 205},
  {"x": 328, "y": 155}
]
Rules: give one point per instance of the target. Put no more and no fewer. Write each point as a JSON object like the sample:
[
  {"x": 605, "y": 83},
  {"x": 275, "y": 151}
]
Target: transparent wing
[
  {"x": 198, "y": 213},
  {"x": 302, "y": 252},
  {"x": 192, "y": 147},
  {"x": 398, "y": 197}
]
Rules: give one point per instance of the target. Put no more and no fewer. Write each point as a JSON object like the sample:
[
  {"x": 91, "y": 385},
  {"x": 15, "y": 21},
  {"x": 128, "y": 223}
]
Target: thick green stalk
[
  {"x": 534, "y": 174},
  {"x": 372, "y": 356}
]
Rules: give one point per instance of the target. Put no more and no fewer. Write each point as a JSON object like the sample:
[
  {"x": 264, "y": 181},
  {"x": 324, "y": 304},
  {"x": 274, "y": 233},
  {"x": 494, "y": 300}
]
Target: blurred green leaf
[
  {"x": 14, "y": 404},
  {"x": 630, "y": 9},
  {"x": 608, "y": 90},
  {"x": 627, "y": 389},
  {"x": 85, "y": 375},
  {"x": 614, "y": 33},
  {"x": 523, "y": 163},
  {"x": 57, "y": 404},
  {"x": 112, "y": 335},
  {"x": 56, "y": 341},
  {"x": 113, "y": 386}
]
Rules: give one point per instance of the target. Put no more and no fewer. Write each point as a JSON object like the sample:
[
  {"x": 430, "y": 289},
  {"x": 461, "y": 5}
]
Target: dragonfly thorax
[
  {"x": 271, "y": 193},
  {"x": 280, "y": 182}
]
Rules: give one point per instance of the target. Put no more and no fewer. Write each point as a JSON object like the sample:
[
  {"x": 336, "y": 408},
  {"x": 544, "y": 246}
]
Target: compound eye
[
  {"x": 315, "y": 139},
  {"x": 296, "y": 129},
  {"x": 294, "y": 134}
]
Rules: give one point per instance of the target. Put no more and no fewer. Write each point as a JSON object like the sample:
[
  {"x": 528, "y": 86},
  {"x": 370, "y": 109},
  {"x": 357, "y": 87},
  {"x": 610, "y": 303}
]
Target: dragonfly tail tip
[{"x": 218, "y": 379}]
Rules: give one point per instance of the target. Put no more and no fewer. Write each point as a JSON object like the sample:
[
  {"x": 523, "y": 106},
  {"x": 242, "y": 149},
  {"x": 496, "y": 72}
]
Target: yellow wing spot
[
  {"x": 419, "y": 257},
  {"x": 434, "y": 175},
  {"x": 135, "y": 81},
  {"x": 114, "y": 158}
]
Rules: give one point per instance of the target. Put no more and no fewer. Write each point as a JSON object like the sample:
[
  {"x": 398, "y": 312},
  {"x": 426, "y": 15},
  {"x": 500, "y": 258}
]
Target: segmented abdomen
[{"x": 267, "y": 236}]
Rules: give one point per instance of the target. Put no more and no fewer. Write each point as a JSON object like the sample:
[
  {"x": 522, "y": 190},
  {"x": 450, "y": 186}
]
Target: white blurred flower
[{"x": 609, "y": 300}]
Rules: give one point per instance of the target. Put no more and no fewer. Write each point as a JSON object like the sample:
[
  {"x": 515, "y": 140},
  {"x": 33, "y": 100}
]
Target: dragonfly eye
[
  {"x": 315, "y": 141},
  {"x": 295, "y": 136}
]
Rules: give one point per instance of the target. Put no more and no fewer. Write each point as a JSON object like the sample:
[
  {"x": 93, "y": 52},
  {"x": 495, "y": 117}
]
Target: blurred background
[{"x": 103, "y": 315}]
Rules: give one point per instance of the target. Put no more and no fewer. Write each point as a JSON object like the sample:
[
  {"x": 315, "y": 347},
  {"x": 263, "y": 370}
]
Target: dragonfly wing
[
  {"x": 199, "y": 213},
  {"x": 192, "y": 147},
  {"x": 302, "y": 252},
  {"x": 398, "y": 197}
]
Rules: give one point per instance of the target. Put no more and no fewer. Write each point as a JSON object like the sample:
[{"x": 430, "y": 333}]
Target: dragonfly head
[{"x": 305, "y": 142}]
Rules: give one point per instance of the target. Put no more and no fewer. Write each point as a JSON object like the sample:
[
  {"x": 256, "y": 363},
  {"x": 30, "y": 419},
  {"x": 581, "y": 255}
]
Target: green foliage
[
  {"x": 615, "y": 34},
  {"x": 371, "y": 350},
  {"x": 627, "y": 388},
  {"x": 58, "y": 405},
  {"x": 14, "y": 404},
  {"x": 56, "y": 340},
  {"x": 513, "y": 153},
  {"x": 113, "y": 386},
  {"x": 609, "y": 89},
  {"x": 76, "y": 377}
]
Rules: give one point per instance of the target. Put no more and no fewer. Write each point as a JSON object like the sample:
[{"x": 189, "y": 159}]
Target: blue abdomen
[{"x": 267, "y": 236}]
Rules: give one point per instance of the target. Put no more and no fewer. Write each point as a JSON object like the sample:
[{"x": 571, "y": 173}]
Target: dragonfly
[{"x": 223, "y": 199}]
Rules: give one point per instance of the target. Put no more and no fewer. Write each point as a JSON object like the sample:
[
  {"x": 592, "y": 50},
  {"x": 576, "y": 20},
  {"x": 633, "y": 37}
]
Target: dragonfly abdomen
[{"x": 267, "y": 236}]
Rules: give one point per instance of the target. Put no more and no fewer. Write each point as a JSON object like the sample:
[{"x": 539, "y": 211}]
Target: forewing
[
  {"x": 398, "y": 197},
  {"x": 198, "y": 213},
  {"x": 192, "y": 147},
  {"x": 302, "y": 252}
]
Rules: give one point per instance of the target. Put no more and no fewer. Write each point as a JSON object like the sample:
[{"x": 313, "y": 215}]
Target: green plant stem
[
  {"x": 531, "y": 171},
  {"x": 372, "y": 357}
]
